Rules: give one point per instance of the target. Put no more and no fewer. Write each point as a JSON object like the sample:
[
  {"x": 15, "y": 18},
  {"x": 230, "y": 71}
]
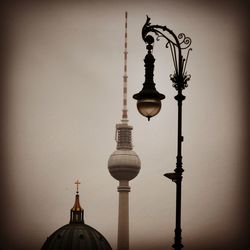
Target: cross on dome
[{"x": 77, "y": 185}]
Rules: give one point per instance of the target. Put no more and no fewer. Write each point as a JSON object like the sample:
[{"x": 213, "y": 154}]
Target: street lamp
[{"x": 149, "y": 99}]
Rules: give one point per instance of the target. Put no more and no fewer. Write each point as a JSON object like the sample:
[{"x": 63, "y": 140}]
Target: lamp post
[{"x": 149, "y": 99}]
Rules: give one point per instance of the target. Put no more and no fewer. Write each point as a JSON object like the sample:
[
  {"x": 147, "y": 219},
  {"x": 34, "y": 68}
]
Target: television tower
[{"x": 124, "y": 164}]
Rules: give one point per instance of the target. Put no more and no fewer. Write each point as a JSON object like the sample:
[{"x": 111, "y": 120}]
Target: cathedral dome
[
  {"x": 124, "y": 164},
  {"x": 76, "y": 235}
]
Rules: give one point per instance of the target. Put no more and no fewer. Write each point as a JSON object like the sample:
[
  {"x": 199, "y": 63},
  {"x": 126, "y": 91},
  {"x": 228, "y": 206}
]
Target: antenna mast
[{"x": 125, "y": 76}]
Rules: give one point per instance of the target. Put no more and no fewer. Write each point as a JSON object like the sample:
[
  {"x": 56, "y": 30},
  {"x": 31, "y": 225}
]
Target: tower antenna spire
[{"x": 125, "y": 76}]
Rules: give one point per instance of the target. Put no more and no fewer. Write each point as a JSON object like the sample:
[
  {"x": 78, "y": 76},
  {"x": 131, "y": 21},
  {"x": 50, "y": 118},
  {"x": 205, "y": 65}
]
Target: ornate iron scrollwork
[{"x": 177, "y": 45}]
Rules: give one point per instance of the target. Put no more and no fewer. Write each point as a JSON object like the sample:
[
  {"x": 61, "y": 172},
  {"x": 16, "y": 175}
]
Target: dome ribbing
[{"x": 76, "y": 235}]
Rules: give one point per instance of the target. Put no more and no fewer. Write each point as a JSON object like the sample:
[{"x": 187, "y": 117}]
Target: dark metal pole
[{"x": 178, "y": 170}]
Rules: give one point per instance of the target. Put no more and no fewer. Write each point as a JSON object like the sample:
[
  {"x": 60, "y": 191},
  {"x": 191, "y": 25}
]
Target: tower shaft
[{"x": 123, "y": 221}]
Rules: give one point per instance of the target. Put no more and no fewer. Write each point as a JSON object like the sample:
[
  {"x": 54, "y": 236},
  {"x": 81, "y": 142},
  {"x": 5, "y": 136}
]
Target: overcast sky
[{"x": 62, "y": 96}]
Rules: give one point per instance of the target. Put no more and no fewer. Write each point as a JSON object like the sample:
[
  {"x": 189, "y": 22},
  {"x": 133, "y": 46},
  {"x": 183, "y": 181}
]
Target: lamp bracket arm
[
  {"x": 177, "y": 44},
  {"x": 181, "y": 41}
]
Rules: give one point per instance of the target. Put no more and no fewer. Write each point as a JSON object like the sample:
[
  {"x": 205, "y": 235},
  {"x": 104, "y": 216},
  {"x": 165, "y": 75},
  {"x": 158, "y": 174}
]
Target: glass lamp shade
[
  {"x": 149, "y": 100},
  {"x": 149, "y": 107}
]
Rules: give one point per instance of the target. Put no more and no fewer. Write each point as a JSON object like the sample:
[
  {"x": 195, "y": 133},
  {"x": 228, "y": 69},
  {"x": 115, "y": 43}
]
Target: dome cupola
[
  {"x": 76, "y": 235},
  {"x": 76, "y": 212}
]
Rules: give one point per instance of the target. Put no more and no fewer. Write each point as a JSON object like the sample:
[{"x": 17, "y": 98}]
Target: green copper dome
[{"x": 76, "y": 235}]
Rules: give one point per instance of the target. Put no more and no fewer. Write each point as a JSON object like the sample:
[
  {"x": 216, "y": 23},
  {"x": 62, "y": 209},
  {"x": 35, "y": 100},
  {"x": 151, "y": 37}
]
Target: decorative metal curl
[
  {"x": 176, "y": 44},
  {"x": 183, "y": 39},
  {"x": 158, "y": 36}
]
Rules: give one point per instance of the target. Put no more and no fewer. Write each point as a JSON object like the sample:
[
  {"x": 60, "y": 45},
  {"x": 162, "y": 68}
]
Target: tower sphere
[{"x": 124, "y": 165}]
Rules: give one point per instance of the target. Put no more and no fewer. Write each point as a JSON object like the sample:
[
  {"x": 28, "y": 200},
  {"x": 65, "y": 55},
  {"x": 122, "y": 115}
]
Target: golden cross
[{"x": 77, "y": 185}]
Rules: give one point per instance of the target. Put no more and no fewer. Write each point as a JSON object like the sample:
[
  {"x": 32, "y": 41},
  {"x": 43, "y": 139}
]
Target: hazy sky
[{"x": 62, "y": 67}]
